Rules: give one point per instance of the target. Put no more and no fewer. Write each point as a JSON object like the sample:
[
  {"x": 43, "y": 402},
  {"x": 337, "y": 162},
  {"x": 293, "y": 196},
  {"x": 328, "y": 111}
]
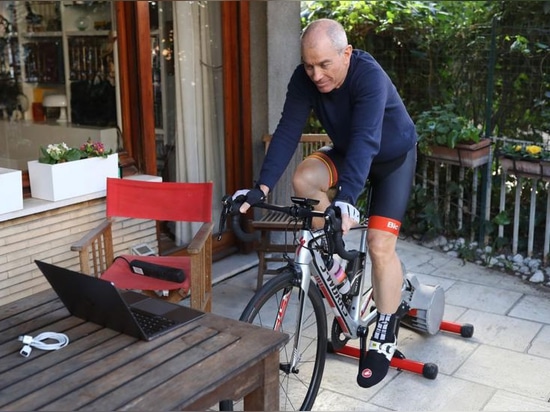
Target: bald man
[{"x": 374, "y": 138}]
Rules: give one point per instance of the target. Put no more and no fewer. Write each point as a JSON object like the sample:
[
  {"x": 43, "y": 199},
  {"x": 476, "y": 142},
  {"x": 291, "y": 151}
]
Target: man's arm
[{"x": 286, "y": 136}]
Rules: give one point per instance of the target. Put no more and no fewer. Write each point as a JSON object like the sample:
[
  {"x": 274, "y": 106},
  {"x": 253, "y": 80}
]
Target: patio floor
[{"x": 505, "y": 366}]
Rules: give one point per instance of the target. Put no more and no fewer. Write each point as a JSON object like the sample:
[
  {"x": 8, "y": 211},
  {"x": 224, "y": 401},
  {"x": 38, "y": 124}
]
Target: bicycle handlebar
[{"x": 302, "y": 209}]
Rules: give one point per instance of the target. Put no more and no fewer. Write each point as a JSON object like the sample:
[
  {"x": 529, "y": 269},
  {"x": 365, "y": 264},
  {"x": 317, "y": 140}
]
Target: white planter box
[
  {"x": 71, "y": 179},
  {"x": 11, "y": 190}
]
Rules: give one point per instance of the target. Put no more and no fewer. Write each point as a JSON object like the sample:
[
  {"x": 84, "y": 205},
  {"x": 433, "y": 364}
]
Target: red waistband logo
[{"x": 393, "y": 226}]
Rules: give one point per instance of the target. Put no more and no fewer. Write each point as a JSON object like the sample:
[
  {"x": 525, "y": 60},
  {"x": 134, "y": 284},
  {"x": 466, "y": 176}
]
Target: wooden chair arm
[
  {"x": 91, "y": 236},
  {"x": 95, "y": 249},
  {"x": 200, "y": 239},
  {"x": 200, "y": 252}
]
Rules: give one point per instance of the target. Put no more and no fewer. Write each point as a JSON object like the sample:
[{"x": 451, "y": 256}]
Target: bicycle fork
[
  {"x": 301, "y": 267},
  {"x": 296, "y": 354}
]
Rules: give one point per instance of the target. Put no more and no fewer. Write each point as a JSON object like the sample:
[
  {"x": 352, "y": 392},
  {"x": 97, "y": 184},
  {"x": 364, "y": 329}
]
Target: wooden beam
[{"x": 237, "y": 100}]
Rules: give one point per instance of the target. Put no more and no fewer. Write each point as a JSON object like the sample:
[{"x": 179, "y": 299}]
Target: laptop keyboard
[{"x": 152, "y": 323}]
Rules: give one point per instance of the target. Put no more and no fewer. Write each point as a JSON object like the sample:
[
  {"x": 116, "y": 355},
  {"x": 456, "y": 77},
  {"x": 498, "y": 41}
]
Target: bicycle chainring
[{"x": 337, "y": 338}]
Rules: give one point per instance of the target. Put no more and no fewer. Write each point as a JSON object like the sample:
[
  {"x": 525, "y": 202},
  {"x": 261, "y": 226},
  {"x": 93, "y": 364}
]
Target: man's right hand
[{"x": 253, "y": 197}]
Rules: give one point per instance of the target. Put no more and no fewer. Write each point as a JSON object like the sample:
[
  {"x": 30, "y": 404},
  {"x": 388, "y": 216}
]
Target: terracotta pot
[
  {"x": 464, "y": 155},
  {"x": 539, "y": 169}
]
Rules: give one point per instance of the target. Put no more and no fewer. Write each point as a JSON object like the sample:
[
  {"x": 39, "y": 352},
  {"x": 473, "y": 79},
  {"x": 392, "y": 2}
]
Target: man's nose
[{"x": 316, "y": 74}]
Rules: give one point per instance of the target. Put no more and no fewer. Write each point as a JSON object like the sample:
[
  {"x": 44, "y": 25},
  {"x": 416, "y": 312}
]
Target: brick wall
[{"x": 48, "y": 236}]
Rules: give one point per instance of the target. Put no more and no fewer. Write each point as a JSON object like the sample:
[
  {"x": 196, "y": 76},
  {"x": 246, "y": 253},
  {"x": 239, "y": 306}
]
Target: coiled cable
[{"x": 39, "y": 342}]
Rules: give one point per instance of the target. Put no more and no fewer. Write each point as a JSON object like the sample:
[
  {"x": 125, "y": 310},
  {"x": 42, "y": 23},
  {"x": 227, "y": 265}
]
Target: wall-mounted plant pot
[
  {"x": 464, "y": 155},
  {"x": 535, "y": 169}
]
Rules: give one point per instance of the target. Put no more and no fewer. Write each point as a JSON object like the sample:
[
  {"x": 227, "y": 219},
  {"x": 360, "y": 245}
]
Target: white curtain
[{"x": 199, "y": 103}]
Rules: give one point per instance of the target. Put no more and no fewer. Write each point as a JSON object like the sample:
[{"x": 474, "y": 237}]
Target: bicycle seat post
[
  {"x": 363, "y": 241},
  {"x": 363, "y": 246}
]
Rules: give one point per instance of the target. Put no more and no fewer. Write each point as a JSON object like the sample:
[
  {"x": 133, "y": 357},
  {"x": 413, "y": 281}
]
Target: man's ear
[{"x": 347, "y": 51}]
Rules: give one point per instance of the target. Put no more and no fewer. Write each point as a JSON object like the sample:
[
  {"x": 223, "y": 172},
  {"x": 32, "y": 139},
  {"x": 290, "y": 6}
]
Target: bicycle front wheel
[{"x": 281, "y": 297}]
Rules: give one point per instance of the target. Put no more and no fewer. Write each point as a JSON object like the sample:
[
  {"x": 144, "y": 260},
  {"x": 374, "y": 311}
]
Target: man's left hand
[{"x": 350, "y": 215}]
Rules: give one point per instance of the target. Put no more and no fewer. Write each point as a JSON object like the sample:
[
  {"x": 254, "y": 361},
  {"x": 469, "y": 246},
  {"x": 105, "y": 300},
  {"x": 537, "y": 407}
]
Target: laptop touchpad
[{"x": 153, "y": 306}]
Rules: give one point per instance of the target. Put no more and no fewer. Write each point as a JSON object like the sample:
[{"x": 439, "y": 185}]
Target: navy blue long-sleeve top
[{"x": 365, "y": 118}]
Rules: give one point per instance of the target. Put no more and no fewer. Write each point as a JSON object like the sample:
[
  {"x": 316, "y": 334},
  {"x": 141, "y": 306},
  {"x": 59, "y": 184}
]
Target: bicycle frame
[{"x": 309, "y": 264}]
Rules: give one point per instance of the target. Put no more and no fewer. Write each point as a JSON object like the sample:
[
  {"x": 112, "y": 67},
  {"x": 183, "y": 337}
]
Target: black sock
[{"x": 374, "y": 364}]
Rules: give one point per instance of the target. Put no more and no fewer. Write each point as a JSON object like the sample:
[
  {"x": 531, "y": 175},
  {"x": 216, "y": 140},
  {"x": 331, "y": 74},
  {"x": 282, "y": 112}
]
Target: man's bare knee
[
  {"x": 381, "y": 246},
  {"x": 308, "y": 179}
]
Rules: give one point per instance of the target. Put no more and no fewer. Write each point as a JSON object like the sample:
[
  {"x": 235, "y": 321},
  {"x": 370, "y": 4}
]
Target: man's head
[{"x": 326, "y": 54}]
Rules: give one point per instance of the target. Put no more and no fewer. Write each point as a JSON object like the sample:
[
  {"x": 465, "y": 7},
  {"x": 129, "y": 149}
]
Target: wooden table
[{"x": 192, "y": 368}]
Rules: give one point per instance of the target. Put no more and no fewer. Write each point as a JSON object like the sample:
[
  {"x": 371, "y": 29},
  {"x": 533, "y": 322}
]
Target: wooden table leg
[{"x": 266, "y": 397}]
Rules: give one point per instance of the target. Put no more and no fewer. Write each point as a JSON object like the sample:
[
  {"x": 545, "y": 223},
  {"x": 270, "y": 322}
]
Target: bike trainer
[{"x": 422, "y": 307}]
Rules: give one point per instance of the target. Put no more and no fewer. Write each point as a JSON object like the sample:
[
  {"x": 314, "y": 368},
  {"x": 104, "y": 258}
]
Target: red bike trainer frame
[{"x": 428, "y": 370}]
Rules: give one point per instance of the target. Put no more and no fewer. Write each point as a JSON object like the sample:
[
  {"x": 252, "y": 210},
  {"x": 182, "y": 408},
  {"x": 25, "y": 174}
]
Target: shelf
[
  {"x": 88, "y": 33},
  {"x": 83, "y": 4},
  {"x": 41, "y": 34}
]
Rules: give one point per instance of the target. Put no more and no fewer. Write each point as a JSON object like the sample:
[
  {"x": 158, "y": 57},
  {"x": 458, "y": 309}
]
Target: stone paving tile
[
  {"x": 232, "y": 265},
  {"x": 532, "y": 308},
  {"x": 501, "y": 331},
  {"x": 517, "y": 284},
  {"x": 230, "y": 300},
  {"x": 484, "y": 298},
  {"x": 514, "y": 372},
  {"x": 328, "y": 400},
  {"x": 469, "y": 272},
  {"x": 541, "y": 344},
  {"x": 447, "y": 350},
  {"x": 430, "y": 263},
  {"x": 505, "y": 401},
  {"x": 452, "y": 313},
  {"x": 446, "y": 393}
]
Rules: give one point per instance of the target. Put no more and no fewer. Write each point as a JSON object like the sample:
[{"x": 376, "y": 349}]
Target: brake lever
[
  {"x": 227, "y": 203},
  {"x": 333, "y": 227},
  {"x": 230, "y": 207}
]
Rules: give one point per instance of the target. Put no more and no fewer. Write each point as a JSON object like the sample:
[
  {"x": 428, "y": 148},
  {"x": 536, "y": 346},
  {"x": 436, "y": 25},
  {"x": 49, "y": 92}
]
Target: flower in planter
[
  {"x": 94, "y": 149},
  {"x": 61, "y": 153},
  {"x": 58, "y": 153},
  {"x": 524, "y": 151}
]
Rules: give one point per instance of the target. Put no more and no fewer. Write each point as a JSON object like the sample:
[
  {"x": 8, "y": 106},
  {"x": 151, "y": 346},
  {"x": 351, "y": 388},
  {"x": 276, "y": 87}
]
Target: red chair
[{"x": 159, "y": 201}]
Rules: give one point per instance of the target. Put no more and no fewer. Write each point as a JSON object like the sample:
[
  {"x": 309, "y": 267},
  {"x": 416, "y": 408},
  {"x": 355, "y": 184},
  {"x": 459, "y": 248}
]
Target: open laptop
[{"x": 99, "y": 301}]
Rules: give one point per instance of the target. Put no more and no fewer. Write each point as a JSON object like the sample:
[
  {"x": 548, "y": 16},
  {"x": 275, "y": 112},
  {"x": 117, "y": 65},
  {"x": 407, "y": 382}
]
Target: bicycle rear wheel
[{"x": 298, "y": 388}]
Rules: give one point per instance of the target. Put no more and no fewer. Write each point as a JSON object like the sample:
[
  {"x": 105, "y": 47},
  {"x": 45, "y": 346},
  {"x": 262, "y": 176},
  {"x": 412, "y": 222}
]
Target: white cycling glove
[
  {"x": 349, "y": 210},
  {"x": 241, "y": 192}
]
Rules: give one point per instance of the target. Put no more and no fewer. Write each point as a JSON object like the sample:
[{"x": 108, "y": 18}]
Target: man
[{"x": 373, "y": 137}]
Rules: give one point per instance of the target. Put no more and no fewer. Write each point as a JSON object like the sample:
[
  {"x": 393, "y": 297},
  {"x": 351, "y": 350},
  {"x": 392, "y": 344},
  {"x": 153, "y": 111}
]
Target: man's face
[{"x": 325, "y": 66}]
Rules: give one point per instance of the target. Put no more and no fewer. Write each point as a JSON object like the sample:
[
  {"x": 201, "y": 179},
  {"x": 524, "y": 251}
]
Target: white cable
[{"x": 39, "y": 342}]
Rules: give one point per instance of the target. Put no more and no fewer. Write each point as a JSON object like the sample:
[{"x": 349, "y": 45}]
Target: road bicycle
[{"x": 293, "y": 301}]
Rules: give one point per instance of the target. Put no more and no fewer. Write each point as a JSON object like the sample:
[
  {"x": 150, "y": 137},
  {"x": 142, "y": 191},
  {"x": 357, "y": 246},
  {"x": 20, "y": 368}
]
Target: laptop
[{"x": 99, "y": 301}]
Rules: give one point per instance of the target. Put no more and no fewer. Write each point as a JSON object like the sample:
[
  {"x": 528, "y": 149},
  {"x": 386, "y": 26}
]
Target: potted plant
[
  {"x": 448, "y": 137},
  {"x": 524, "y": 158},
  {"x": 62, "y": 172}
]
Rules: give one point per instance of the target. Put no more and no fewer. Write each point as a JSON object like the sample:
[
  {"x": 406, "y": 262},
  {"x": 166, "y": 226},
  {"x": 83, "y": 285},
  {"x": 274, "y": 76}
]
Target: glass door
[{"x": 162, "y": 61}]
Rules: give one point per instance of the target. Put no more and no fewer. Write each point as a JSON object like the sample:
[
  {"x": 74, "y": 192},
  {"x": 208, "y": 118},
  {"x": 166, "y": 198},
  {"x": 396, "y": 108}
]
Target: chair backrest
[
  {"x": 308, "y": 144},
  {"x": 166, "y": 201}
]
